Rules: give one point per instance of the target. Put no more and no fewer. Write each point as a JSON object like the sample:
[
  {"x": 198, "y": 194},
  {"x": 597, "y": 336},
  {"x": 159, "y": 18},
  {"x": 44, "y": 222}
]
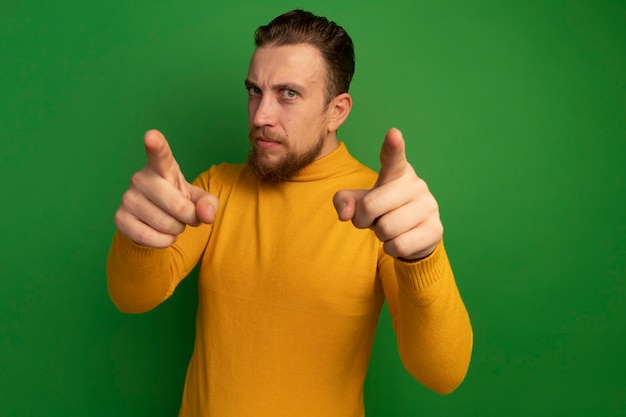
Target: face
[{"x": 288, "y": 117}]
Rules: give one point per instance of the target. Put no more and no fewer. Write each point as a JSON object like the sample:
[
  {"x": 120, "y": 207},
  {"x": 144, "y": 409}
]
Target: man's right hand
[{"x": 160, "y": 203}]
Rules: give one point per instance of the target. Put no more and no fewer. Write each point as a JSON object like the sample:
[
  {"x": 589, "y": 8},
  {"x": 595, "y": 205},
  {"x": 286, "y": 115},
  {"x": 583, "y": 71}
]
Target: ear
[{"x": 339, "y": 109}]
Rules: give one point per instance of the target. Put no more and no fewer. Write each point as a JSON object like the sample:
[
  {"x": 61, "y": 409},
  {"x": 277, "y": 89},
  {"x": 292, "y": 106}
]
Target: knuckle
[
  {"x": 368, "y": 203},
  {"x": 166, "y": 241},
  {"x": 120, "y": 219},
  {"x": 180, "y": 207},
  {"x": 401, "y": 247},
  {"x": 438, "y": 229},
  {"x": 420, "y": 187},
  {"x": 143, "y": 236},
  {"x": 136, "y": 179},
  {"x": 421, "y": 184},
  {"x": 149, "y": 237},
  {"x": 391, "y": 248},
  {"x": 385, "y": 227},
  {"x": 170, "y": 225},
  {"x": 128, "y": 199},
  {"x": 433, "y": 205}
]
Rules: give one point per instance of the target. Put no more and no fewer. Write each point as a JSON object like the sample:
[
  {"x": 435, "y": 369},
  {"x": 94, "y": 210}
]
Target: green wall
[{"x": 514, "y": 112}]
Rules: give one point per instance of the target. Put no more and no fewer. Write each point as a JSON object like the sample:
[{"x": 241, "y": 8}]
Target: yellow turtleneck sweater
[{"x": 289, "y": 298}]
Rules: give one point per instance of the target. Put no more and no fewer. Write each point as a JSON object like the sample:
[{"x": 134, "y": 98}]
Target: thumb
[
  {"x": 160, "y": 157},
  {"x": 206, "y": 204},
  {"x": 345, "y": 202}
]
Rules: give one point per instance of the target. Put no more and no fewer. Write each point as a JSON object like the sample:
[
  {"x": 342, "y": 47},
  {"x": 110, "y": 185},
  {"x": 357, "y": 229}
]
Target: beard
[{"x": 287, "y": 167}]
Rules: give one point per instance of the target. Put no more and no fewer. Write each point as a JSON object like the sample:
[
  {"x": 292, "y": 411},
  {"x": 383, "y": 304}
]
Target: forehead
[{"x": 284, "y": 64}]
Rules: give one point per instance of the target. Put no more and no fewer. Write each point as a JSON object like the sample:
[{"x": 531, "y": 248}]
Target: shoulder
[
  {"x": 220, "y": 175},
  {"x": 357, "y": 172}
]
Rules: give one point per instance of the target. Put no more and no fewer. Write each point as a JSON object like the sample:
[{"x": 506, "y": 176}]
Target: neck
[{"x": 330, "y": 144}]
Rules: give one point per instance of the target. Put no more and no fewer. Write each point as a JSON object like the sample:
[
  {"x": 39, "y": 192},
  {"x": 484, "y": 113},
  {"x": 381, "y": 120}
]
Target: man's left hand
[{"x": 400, "y": 208}]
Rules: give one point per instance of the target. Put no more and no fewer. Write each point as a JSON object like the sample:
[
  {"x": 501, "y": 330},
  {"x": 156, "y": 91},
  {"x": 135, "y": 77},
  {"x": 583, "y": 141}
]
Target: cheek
[
  {"x": 251, "y": 109},
  {"x": 307, "y": 131}
]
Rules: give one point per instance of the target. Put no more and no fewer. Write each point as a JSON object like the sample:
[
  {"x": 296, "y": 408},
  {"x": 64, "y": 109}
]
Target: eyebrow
[{"x": 282, "y": 86}]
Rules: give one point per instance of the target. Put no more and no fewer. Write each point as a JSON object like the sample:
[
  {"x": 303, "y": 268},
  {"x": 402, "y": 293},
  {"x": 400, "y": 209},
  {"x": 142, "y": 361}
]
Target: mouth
[{"x": 266, "y": 141}]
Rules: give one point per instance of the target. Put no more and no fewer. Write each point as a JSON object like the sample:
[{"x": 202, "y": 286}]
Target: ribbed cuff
[
  {"x": 133, "y": 249},
  {"x": 420, "y": 275}
]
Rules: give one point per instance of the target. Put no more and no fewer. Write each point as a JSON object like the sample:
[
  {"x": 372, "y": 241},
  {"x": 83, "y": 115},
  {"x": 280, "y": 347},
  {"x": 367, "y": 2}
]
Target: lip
[{"x": 262, "y": 142}]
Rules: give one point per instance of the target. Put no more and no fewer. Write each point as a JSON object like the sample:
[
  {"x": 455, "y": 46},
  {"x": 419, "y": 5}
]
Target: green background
[{"x": 514, "y": 113}]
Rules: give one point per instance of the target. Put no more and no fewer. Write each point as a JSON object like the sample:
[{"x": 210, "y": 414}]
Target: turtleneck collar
[{"x": 335, "y": 163}]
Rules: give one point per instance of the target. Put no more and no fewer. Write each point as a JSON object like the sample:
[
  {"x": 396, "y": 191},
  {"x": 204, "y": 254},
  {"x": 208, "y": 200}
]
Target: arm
[
  {"x": 154, "y": 249},
  {"x": 136, "y": 275},
  {"x": 139, "y": 278},
  {"x": 430, "y": 320}
]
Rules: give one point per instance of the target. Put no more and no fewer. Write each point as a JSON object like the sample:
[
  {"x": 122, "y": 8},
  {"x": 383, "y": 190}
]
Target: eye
[
  {"x": 253, "y": 91},
  {"x": 288, "y": 94}
]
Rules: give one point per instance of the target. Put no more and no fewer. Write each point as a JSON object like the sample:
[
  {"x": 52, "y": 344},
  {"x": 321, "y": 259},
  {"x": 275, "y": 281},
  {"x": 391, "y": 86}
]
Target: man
[{"x": 289, "y": 296}]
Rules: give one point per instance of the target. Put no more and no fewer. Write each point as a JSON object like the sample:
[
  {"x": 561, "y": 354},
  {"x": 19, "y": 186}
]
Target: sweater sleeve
[
  {"x": 139, "y": 278},
  {"x": 430, "y": 319}
]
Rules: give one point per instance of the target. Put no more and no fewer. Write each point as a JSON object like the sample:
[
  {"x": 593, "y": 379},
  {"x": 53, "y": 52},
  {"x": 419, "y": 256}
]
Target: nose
[{"x": 263, "y": 111}]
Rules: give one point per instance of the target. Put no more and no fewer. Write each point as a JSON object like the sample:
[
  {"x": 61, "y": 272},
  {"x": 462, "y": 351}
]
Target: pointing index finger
[
  {"x": 160, "y": 157},
  {"x": 393, "y": 162}
]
